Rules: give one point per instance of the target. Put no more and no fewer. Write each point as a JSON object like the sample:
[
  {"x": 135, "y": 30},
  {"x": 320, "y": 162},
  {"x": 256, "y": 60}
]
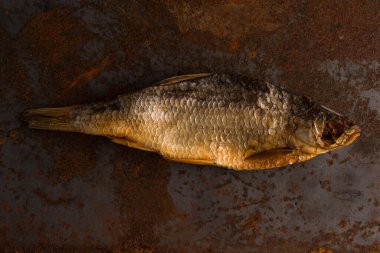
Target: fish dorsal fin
[
  {"x": 177, "y": 79},
  {"x": 273, "y": 154}
]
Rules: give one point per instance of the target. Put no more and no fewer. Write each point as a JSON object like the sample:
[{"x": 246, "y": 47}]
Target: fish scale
[{"x": 184, "y": 120}]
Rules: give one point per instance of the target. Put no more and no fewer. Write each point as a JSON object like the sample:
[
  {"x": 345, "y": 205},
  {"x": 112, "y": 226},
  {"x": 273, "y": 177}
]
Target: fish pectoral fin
[
  {"x": 191, "y": 161},
  {"x": 177, "y": 79},
  {"x": 273, "y": 154},
  {"x": 132, "y": 144}
]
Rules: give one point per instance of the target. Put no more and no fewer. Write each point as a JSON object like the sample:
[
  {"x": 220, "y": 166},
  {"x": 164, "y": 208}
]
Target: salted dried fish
[{"x": 211, "y": 119}]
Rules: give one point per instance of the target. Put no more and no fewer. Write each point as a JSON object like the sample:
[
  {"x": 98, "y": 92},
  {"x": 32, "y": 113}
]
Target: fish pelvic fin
[
  {"x": 132, "y": 144},
  {"x": 273, "y": 154},
  {"x": 192, "y": 161},
  {"x": 56, "y": 119}
]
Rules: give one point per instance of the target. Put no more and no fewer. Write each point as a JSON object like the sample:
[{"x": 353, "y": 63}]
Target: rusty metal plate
[{"x": 66, "y": 192}]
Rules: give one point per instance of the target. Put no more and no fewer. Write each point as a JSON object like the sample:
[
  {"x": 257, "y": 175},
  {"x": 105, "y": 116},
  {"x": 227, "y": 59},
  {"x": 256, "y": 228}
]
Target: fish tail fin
[{"x": 56, "y": 119}]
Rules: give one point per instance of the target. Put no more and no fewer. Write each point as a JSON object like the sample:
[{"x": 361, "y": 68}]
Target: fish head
[
  {"x": 333, "y": 130},
  {"x": 324, "y": 130}
]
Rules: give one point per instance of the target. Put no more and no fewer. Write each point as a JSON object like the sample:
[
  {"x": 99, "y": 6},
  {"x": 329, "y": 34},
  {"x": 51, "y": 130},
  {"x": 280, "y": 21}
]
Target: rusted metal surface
[{"x": 71, "y": 192}]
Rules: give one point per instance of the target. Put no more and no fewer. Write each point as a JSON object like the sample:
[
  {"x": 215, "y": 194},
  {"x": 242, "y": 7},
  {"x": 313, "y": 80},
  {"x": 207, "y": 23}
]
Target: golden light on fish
[{"x": 212, "y": 119}]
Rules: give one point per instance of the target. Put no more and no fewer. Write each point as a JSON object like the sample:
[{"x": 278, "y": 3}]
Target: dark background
[{"x": 65, "y": 192}]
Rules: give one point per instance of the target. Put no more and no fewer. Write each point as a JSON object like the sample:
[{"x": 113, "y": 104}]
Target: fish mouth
[
  {"x": 348, "y": 137},
  {"x": 354, "y": 134}
]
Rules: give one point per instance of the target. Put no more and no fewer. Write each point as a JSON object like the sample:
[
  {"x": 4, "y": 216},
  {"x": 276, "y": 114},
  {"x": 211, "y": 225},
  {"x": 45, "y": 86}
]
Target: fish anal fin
[
  {"x": 132, "y": 144},
  {"x": 192, "y": 161},
  {"x": 268, "y": 155},
  {"x": 177, "y": 79}
]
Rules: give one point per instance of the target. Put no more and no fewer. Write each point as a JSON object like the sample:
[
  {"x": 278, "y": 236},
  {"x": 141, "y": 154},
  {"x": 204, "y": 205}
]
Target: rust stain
[
  {"x": 54, "y": 37},
  {"x": 3, "y": 141},
  {"x": 142, "y": 197},
  {"x": 234, "y": 45},
  {"x": 73, "y": 156},
  {"x": 13, "y": 134},
  {"x": 12, "y": 73},
  {"x": 90, "y": 74},
  {"x": 342, "y": 223},
  {"x": 345, "y": 160},
  {"x": 53, "y": 41},
  {"x": 339, "y": 29},
  {"x": 321, "y": 250},
  {"x": 206, "y": 16},
  {"x": 221, "y": 23},
  {"x": 252, "y": 222},
  {"x": 49, "y": 200},
  {"x": 254, "y": 53}
]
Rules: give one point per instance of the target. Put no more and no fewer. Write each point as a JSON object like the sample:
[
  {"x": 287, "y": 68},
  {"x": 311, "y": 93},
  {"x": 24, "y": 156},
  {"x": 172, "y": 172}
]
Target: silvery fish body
[{"x": 213, "y": 119}]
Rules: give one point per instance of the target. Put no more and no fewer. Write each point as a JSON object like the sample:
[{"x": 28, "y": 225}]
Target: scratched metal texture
[{"x": 66, "y": 192}]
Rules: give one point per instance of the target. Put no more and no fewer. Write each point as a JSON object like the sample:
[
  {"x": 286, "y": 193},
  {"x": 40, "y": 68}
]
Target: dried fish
[{"x": 211, "y": 119}]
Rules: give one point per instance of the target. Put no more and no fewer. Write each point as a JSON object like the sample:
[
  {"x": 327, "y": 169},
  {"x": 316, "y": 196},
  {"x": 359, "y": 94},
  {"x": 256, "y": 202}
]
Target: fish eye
[{"x": 326, "y": 136}]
